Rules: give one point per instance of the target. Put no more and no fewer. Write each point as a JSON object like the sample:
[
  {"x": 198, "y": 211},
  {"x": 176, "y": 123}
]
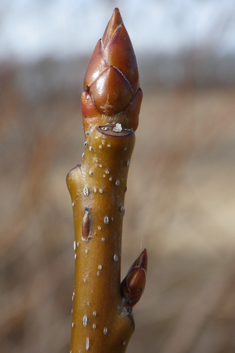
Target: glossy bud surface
[
  {"x": 111, "y": 84},
  {"x": 132, "y": 287}
]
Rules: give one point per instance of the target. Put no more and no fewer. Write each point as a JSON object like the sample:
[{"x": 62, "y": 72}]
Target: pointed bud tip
[
  {"x": 114, "y": 22},
  {"x": 116, "y": 17},
  {"x": 142, "y": 260}
]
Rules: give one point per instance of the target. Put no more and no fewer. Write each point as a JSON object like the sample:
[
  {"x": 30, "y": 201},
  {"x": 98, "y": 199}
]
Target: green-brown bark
[{"x": 102, "y": 308}]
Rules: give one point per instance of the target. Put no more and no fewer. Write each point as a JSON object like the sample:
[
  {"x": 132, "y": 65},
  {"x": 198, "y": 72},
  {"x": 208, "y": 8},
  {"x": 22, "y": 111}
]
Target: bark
[{"x": 102, "y": 307}]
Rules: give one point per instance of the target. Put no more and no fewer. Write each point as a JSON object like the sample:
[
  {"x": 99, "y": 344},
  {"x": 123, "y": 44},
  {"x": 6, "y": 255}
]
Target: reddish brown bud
[
  {"x": 111, "y": 85},
  {"x": 132, "y": 287},
  {"x": 86, "y": 226}
]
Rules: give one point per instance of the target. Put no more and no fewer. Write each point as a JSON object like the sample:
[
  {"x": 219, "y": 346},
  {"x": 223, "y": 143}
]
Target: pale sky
[{"x": 32, "y": 29}]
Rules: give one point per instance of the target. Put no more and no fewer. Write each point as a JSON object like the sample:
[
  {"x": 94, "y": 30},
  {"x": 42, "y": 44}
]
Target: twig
[{"x": 102, "y": 308}]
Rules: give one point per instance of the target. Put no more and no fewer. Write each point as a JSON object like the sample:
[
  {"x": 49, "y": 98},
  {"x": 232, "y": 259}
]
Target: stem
[{"x": 102, "y": 308}]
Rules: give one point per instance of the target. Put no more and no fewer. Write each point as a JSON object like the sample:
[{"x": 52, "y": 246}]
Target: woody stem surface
[{"x": 102, "y": 307}]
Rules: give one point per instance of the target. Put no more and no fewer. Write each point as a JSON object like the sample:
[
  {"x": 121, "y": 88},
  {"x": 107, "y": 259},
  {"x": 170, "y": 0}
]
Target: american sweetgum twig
[{"x": 102, "y": 307}]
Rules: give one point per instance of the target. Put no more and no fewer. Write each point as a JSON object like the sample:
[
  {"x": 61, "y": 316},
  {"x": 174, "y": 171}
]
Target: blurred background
[{"x": 181, "y": 196}]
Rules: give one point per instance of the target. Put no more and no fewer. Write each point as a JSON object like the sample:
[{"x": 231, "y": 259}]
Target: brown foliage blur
[{"x": 179, "y": 205}]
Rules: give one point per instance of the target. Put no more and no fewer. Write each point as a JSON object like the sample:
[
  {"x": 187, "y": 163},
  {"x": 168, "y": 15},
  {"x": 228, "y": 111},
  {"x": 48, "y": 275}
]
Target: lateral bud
[
  {"x": 86, "y": 225},
  {"x": 132, "y": 286}
]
